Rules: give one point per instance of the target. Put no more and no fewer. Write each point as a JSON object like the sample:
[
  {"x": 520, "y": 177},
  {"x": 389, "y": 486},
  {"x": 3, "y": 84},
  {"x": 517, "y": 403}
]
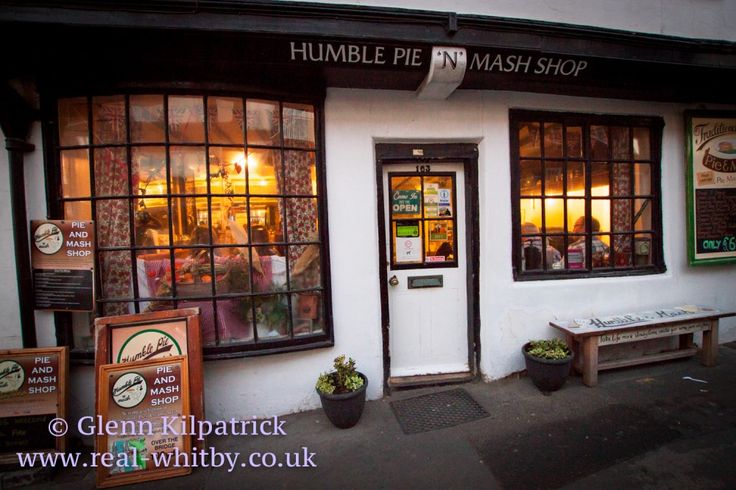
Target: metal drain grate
[{"x": 437, "y": 411}]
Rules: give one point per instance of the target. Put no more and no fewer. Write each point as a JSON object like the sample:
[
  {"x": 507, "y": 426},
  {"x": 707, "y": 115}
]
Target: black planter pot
[
  {"x": 344, "y": 409},
  {"x": 547, "y": 374}
]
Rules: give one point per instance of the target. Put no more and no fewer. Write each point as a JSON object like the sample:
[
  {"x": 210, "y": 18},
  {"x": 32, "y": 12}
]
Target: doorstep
[{"x": 399, "y": 382}]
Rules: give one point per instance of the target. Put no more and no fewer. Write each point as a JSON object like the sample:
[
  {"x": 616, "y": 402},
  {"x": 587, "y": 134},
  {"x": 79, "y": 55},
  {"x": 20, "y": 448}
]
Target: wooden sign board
[
  {"x": 636, "y": 320},
  {"x": 652, "y": 333},
  {"x": 33, "y": 392},
  {"x": 63, "y": 258},
  {"x": 155, "y": 335},
  {"x": 138, "y": 401},
  {"x": 711, "y": 187}
]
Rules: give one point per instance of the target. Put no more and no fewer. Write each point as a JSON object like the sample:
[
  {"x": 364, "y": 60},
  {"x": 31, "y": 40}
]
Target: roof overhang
[{"x": 227, "y": 39}]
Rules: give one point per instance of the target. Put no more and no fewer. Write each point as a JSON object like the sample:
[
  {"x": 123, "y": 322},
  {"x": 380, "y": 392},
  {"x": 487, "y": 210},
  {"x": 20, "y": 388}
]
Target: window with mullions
[
  {"x": 585, "y": 195},
  {"x": 202, "y": 201},
  {"x": 422, "y": 220}
]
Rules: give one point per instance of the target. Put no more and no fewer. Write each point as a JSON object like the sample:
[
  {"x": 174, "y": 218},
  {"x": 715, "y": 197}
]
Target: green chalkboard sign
[{"x": 711, "y": 186}]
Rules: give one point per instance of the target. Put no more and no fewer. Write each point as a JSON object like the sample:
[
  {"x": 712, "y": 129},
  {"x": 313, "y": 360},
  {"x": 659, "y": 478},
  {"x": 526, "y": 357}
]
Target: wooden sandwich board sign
[
  {"x": 135, "y": 402},
  {"x": 155, "y": 335},
  {"x": 33, "y": 393}
]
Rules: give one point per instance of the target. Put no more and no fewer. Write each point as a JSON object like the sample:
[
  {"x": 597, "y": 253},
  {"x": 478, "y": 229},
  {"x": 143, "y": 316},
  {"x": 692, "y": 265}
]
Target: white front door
[{"x": 426, "y": 263}]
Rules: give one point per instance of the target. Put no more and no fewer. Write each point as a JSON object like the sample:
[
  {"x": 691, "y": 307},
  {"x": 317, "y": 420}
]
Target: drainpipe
[{"x": 15, "y": 120}]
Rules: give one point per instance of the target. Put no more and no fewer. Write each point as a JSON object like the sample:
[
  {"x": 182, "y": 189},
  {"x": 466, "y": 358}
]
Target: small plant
[
  {"x": 549, "y": 349},
  {"x": 343, "y": 379}
]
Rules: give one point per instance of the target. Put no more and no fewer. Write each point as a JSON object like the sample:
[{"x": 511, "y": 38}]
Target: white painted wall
[
  {"x": 511, "y": 313},
  {"x": 703, "y": 19}
]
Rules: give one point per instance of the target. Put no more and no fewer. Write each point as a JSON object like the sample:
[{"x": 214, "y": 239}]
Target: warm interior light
[
  {"x": 252, "y": 163},
  {"x": 531, "y": 209}
]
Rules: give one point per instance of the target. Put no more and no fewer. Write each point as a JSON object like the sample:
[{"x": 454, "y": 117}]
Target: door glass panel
[
  {"x": 422, "y": 209},
  {"x": 405, "y": 197},
  {"x": 407, "y": 242},
  {"x": 438, "y": 197},
  {"x": 439, "y": 239}
]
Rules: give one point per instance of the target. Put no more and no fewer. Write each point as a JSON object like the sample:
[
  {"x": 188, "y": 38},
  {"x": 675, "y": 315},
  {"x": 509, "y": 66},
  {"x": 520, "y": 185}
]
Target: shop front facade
[{"x": 316, "y": 192}]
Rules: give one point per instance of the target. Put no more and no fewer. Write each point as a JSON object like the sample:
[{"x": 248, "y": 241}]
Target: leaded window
[
  {"x": 586, "y": 197},
  {"x": 200, "y": 200}
]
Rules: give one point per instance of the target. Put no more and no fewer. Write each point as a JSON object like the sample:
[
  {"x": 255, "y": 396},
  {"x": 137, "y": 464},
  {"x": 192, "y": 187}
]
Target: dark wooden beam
[{"x": 16, "y": 118}]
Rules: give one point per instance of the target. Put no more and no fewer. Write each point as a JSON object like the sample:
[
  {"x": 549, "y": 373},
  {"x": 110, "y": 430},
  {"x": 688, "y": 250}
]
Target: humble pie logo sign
[{"x": 148, "y": 344}]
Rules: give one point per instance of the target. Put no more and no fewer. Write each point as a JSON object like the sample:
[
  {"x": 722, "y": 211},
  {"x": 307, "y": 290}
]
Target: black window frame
[
  {"x": 585, "y": 121},
  {"x": 55, "y": 206}
]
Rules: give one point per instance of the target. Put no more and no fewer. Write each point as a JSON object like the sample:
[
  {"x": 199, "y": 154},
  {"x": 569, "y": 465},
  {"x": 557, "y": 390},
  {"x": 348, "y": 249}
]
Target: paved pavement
[{"x": 645, "y": 427}]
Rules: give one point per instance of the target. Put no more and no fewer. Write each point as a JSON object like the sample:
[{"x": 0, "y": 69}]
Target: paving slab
[{"x": 667, "y": 425}]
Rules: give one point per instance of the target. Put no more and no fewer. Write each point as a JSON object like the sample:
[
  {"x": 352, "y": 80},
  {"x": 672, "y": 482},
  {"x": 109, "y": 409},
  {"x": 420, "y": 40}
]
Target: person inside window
[
  {"x": 444, "y": 250},
  {"x": 146, "y": 226},
  {"x": 532, "y": 249},
  {"x": 576, "y": 250}
]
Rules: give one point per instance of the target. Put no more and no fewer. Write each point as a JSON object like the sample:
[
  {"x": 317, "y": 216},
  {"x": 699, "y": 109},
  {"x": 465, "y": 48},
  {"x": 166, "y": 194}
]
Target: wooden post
[
  {"x": 686, "y": 341},
  {"x": 590, "y": 360},
  {"x": 710, "y": 344},
  {"x": 574, "y": 346}
]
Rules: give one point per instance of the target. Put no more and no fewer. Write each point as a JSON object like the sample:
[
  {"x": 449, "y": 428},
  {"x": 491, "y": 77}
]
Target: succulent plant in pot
[
  {"x": 342, "y": 393},
  {"x": 548, "y": 363}
]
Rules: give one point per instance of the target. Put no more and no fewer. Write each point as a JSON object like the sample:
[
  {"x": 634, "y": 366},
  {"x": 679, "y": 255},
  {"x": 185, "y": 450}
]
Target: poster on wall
[
  {"x": 155, "y": 335},
  {"x": 33, "y": 392},
  {"x": 144, "y": 396},
  {"x": 63, "y": 262},
  {"x": 711, "y": 191}
]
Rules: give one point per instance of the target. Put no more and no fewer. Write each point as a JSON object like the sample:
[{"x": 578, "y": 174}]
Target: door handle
[{"x": 394, "y": 281}]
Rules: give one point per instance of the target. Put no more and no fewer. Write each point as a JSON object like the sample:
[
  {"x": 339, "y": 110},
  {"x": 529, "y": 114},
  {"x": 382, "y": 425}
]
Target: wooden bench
[{"x": 585, "y": 336}]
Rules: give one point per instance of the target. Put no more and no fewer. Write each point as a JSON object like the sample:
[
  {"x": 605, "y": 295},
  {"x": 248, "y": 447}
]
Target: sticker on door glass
[
  {"x": 438, "y": 231},
  {"x": 408, "y": 250},
  {"x": 431, "y": 200},
  {"x": 407, "y": 229},
  {"x": 405, "y": 202},
  {"x": 439, "y": 241},
  {"x": 445, "y": 204}
]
